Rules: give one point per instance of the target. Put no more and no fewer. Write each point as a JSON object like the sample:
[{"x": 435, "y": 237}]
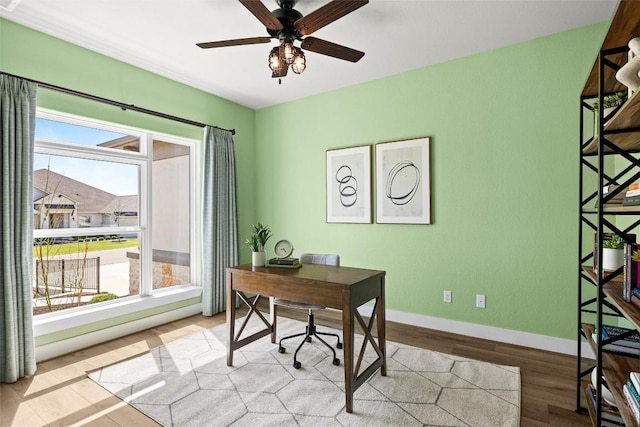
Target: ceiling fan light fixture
[
  {"x": 299, "y": 63},
  {"x": 275, "y": 64},
  {"x": 288, "y": 51}
]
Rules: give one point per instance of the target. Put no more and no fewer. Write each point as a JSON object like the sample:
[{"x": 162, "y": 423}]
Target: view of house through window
[{"x": 111, "y": 214}]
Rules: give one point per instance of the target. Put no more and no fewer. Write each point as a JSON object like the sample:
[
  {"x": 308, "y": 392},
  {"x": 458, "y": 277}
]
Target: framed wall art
[
  {"x": 349, "y": 185},
  {"x": 403, "y": 194}
]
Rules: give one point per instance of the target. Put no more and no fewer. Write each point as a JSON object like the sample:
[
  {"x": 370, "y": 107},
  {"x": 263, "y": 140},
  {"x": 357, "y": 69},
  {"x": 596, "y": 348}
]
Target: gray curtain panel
[
  {"x": 219, "y": 217},
  {"x": 17, "y": 123}
]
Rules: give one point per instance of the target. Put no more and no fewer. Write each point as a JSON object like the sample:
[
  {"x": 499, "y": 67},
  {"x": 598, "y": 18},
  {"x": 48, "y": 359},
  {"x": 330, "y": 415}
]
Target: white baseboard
[
  {"x": 59, "y": 348},
  {"x": 509, "y": 336}
]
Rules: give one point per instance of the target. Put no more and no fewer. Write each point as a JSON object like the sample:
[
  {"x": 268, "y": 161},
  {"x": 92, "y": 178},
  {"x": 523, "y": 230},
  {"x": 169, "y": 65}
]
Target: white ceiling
[{"x": 396, "y": 36}]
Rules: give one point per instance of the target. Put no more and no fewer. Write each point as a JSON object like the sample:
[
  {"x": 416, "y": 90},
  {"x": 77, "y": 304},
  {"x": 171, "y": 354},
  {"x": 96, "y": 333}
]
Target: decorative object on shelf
[
  {"x": 610, "y": 102},
  {"x": 257, "y": 242},
  {"x": 612, "y": 253},
  {"x": 349, "y": 185},
  {"x": 629, "y": 74},
  {"x": 606, "y": 394},
  {"x": 403, "y": 193}
]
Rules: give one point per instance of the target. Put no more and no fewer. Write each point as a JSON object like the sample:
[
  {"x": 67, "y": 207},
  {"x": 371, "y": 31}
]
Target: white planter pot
[
  {"x": 258, "y": 259},
  {"x": 612, "y": 258}
]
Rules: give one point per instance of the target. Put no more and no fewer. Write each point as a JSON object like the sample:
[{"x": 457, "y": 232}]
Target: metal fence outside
[{"x": 69, "y": 275}]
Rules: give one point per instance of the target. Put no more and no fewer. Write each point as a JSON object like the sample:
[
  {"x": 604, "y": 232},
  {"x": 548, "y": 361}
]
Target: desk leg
[
  {"x": 348, "y": 339},
  {"x": 231, "y": 318},
  {"x": 381, "y": 329},
  {"x": 273, "y": 312}
]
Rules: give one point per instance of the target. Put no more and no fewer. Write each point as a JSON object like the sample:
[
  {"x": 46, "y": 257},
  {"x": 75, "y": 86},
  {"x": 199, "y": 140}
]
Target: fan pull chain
[{"x": 279, "y": 81}]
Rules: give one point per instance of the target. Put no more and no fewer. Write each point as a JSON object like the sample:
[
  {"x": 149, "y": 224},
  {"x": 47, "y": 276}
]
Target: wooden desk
[{"x": 342, "y": 288}]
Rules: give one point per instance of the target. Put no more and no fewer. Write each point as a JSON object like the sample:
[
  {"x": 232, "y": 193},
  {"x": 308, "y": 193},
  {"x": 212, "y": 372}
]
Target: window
[{"x": 112, "y": 213}]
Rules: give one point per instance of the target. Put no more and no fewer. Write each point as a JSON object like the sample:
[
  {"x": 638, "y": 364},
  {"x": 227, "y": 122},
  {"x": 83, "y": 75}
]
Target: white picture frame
[
  {"x": 403, "y": 193},
  {"x": 349, "y": 185}
]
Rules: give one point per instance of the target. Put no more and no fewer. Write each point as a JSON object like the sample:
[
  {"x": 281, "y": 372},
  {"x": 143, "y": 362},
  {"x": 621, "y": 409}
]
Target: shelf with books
[
  {"x": 600, "y": 292},
  {"x": 616, "y": 369},
  {"x": 611, "y": 415}
]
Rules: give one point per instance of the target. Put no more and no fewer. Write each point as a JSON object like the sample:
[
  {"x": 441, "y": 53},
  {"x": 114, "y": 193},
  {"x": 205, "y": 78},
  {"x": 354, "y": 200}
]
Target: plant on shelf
[
  {"x": 257, "y": 241},
  {"x": 613, "y": 253},
  {"x": 610, "y": 102},
  {"x": 615, "y": 242}
]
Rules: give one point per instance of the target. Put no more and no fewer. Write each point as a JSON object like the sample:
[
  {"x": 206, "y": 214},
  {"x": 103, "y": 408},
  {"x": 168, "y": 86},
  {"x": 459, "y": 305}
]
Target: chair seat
[{"x": 296, "y": 304}]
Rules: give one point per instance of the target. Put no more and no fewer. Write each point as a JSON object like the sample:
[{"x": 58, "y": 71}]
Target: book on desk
[{"x": 284, "y": 263}]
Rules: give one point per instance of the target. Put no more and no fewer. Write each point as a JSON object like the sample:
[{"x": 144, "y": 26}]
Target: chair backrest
[{"x": 327, "y": 259}]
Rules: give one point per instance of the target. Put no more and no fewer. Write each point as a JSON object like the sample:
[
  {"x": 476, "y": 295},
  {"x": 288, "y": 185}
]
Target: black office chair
[{"x": 310, "y": 331}]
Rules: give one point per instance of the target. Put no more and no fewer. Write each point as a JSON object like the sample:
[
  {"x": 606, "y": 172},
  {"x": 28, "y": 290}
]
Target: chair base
[{"x": 309, "y": 332}]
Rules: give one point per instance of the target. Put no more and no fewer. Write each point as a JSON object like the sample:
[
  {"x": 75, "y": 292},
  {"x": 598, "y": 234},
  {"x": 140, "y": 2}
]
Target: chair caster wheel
[
  {"x": 308, "y": 339},
  {"x": 339, "y": 346},
  {"x": 297, "y": 364},
  {"x": 281, "y": 349},
  {"x": 336, "y": 361}
]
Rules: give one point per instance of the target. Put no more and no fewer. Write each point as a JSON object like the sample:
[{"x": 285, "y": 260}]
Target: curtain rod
[{"x": 117, "y": 103}]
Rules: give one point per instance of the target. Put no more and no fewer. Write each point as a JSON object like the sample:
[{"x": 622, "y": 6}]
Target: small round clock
[{"x": 283, "y": 249}]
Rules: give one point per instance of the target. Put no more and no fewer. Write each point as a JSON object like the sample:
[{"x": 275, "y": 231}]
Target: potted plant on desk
[{"x": 257, "y": 242}]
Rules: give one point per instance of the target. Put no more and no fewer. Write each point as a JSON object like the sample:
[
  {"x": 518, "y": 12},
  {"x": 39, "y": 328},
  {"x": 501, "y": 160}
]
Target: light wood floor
[{"x": 61, "y": 394}]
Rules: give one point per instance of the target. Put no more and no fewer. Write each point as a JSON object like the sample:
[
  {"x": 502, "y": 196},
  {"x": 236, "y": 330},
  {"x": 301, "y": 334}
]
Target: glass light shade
[
  {"x": 288, "y": 51},
  {"x": 299, "y": 62},
  {"x": 274, "y": 59}
]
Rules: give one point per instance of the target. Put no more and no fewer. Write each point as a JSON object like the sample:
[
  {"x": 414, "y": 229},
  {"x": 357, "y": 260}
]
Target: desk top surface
[{"x": 314, "y": 272}]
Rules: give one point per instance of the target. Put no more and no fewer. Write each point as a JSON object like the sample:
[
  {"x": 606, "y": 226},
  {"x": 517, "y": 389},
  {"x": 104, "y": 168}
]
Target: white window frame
[{"x": 148, "y": 298}]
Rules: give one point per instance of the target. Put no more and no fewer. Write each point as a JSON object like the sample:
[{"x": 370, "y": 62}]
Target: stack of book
[
  {"x": 632, "y": 196},
  {"x": 630, "y": 390},
  {"x": 284, "y": 263},
  {"x": 627, "y": 344},
  {"x": 610, "y": 414},
  {"x": 618, "y": 198},
  {"x": 631, "y": 276}
]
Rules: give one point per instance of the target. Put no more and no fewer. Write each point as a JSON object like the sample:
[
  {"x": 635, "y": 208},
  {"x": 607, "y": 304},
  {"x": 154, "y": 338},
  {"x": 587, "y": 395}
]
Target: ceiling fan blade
[
  {"x": 326, "y": 14},
  {"x": 236, "y": 42},
  {"x": 263, "y": 14},
  {"x": 331, "y": 49}
]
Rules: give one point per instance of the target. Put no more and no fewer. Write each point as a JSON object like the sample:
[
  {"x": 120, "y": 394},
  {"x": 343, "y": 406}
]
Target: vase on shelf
[
  {"x": 612, "y": 259},
  {"x": 259, "y": 259}
]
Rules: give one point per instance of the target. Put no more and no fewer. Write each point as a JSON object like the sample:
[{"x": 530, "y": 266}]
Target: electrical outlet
[
  {"x": 447, "y": 296},
  {"x": 480, "y": 301}
]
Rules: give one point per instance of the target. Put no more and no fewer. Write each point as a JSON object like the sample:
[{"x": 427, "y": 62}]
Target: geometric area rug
[{"x": 188, "y": 383}]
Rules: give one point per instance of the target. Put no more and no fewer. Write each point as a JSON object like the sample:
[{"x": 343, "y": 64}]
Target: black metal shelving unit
[{"x": 610, "y": 157}]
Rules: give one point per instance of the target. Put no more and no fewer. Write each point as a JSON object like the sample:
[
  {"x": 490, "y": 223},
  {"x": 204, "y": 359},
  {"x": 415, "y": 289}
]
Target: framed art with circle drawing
[
  {"x": 403, "y": 194},
  {"x": 349, "y": 185}
]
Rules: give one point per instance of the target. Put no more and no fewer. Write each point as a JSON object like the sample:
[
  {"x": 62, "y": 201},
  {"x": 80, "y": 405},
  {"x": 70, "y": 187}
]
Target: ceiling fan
[{"x": 288, "y": 25}]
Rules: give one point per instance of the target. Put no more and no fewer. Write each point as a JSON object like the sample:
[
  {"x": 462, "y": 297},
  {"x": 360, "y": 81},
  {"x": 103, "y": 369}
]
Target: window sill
[{"x": 49, "y": 323}]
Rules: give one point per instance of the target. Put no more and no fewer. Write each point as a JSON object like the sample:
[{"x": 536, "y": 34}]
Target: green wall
[
  {"x": 504, "y": 180},
  {"x": 504, "y": 166},
  {"x": 31, "y": 54}
]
